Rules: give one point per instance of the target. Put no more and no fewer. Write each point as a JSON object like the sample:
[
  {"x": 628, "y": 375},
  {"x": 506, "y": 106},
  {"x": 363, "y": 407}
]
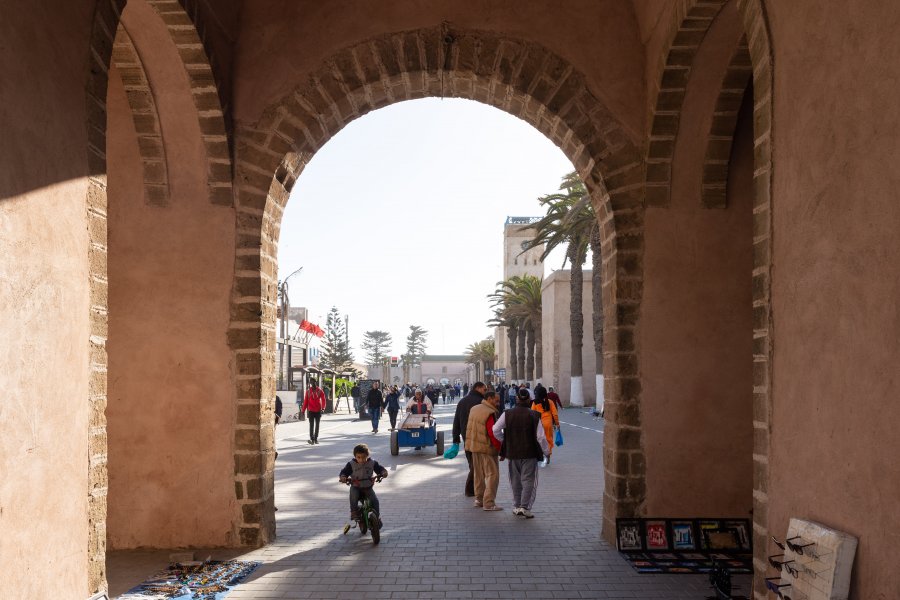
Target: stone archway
[{"x": 516, "y": 76}]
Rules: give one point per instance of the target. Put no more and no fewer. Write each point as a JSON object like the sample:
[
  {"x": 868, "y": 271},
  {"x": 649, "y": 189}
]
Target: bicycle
[{"x": 367, "y": 519}]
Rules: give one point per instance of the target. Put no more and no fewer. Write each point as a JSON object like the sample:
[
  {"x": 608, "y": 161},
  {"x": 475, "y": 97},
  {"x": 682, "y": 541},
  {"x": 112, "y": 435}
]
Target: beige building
[
  {"x": 435, "y": 368},
  {"x": 516, "y": 233},
  {"x": 557, "y": 342}
]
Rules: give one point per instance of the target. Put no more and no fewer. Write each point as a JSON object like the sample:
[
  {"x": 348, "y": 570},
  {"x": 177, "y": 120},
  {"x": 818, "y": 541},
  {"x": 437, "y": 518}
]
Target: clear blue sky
[{"x": 398, "y": 219}]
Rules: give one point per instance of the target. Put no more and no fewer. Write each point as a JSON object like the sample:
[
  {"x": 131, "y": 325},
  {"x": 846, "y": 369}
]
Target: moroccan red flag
[{"x": 319, "y": 332}]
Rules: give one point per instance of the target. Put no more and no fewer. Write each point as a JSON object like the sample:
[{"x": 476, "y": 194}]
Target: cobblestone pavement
[{"x": 435, "y": 544}]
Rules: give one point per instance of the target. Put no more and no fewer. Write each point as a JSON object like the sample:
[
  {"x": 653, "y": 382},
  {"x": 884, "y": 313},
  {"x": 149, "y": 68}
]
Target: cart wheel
[
  {"x": 395, "y": 444},
  {"x": 440, "y": 443}
]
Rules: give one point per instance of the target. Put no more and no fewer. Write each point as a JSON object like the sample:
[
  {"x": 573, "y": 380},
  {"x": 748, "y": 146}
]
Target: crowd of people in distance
[{"x": 509, "y": 422}]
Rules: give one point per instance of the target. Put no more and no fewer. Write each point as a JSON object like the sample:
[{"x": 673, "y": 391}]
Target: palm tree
[
  {"x": 519, "y": 300},
  {"x": 584, "y": 206},
  {"x": 569, "y": 221},
  {"x": 503, "y": 318},
  {"x": 481, "y": 354}
]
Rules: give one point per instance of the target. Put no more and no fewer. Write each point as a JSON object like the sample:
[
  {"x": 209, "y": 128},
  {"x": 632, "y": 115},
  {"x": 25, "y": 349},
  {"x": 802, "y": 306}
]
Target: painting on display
[
  {"x": 705, "y": 527},
  {"x": 657, "y": 536},
  {"x": 683, "y": 535},
  {"x": 740, "y": 528},
  {"x": 628, "y": 535}
]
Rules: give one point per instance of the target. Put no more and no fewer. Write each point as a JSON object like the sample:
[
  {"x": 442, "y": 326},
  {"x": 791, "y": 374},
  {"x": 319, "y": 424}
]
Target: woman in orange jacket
[{"x": 549, "y": 419}]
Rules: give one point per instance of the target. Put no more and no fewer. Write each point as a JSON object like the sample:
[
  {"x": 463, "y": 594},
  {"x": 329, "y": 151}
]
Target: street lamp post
[{"x": 285, "y": 305}]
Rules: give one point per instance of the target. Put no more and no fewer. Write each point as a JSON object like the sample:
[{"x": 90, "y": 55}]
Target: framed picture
[
  {"x": 741, "y": 530},
  {"x": 703, "y": 527},
  {"x": 683, "y": 535},
  {"x": 657, "y": 535},
  {"x": 628, "y": 535},
  {"x": 721, "y": 539}
]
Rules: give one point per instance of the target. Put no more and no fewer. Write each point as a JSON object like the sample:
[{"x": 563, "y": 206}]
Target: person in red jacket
[{"x": 314, "y": 403}]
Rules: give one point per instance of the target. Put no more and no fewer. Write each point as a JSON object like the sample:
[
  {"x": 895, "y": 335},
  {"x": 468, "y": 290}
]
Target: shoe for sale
[
  {"x": 478, "y": 504},
  {"x": 527, "y": 513},
  {"x": 492, "y": 508}
]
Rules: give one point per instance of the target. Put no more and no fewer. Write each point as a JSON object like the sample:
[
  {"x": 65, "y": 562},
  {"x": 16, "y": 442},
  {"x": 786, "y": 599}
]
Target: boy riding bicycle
[{"x": 361, "y": 472}]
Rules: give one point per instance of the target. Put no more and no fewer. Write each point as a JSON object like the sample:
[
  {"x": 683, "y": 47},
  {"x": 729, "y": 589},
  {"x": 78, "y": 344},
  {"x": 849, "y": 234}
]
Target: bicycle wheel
[{"x": 374, "y": 527}]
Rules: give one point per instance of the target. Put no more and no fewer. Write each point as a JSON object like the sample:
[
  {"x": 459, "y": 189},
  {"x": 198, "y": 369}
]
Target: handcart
[{"x": 417, "y": 431}]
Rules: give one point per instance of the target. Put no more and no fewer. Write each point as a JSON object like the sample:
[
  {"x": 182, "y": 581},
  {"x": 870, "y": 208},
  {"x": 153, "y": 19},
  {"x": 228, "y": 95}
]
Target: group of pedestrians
[
  {"x": 437, "y": 393},
  {"x": 521, "y": 435}
]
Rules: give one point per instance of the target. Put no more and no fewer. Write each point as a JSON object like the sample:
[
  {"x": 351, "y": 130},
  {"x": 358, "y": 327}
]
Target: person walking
[
  {"x": 392, "y": 403},
  {"x": 314, "y": 405},
  {"x": 511, "y": 395},
  {"x": 549, "y": 419},
  {"x": 466, "y": 389},
  {"x": 375, "y": 402},
  {"x": 460, "y": 423},
  {"x": 553, "y": 397},
  {"x": 524, "y": 443},
  {"x": 485, "y": 450}
]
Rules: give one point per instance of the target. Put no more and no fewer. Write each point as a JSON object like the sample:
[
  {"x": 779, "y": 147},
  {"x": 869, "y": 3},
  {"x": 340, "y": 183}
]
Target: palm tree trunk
[
  {"x": 512, "y": 332},
  {"x": 597, "y": 310},
  {"x": 538, "y": 351},
  {"x": 520, "y": 370},
  {"x": 576, "y": 322},
  {"x": 529, "y": 347}
]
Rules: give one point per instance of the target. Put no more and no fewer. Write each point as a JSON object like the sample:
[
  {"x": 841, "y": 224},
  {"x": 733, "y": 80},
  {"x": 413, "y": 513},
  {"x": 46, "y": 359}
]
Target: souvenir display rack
[
  {"x": 814, "y": 563},
  {"x": 685, "y": 546}
]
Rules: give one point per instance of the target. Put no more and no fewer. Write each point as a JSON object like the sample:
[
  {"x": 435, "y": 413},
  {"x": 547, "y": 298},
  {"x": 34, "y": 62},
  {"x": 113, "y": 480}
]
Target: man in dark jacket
[
  {"x": 375, "y": 402},
  {"x": 524, "y": 443},
  {"x": 461, "y": 421}
]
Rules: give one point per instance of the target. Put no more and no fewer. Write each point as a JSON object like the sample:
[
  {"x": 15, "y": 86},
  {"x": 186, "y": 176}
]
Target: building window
[{"x": 516, "y": 261}]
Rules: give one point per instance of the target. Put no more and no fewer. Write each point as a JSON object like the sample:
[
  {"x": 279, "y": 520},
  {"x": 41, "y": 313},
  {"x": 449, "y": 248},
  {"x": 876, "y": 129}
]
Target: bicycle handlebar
[{"x": 376, "y": 479}]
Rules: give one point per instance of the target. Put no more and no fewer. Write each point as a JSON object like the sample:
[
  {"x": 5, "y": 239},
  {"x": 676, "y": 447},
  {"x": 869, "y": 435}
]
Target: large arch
[{"x": 519, "y": 77}]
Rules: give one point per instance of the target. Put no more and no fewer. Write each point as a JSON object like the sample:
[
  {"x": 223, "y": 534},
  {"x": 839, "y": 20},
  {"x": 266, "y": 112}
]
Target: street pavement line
[{"x": 600, "y": 431}]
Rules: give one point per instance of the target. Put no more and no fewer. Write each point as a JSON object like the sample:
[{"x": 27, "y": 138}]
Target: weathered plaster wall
[
  {"x": 170, "y": 413},
  {"x": 697, "y": 316},
  {"x": 557, "y": 339},
  {"x": 44, "y": 295},
  {"x": 280, "y": 43},
  {"x": 836, "y": 278}
]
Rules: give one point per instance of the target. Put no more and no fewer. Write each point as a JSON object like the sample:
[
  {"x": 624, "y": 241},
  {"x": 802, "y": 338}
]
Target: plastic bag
[
  {"x": 558, "y": 438},
  {"x": 452, "y": 451}
]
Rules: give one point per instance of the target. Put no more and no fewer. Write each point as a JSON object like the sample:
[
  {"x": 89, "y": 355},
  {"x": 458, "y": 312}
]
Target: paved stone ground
[{"x": 435, "y": 543}]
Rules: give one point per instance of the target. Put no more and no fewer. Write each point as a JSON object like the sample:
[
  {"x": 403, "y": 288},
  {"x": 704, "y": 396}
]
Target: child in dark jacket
[{"x": 361, "y": 472}]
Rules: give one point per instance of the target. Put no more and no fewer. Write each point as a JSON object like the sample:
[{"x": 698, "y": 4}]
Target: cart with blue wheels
[{"x": 417, "y": 431}]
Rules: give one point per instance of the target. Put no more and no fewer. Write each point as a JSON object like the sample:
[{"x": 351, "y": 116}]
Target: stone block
[
  {"x": 248, "y": 464},
  {"x": 250, "y": 536}
]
